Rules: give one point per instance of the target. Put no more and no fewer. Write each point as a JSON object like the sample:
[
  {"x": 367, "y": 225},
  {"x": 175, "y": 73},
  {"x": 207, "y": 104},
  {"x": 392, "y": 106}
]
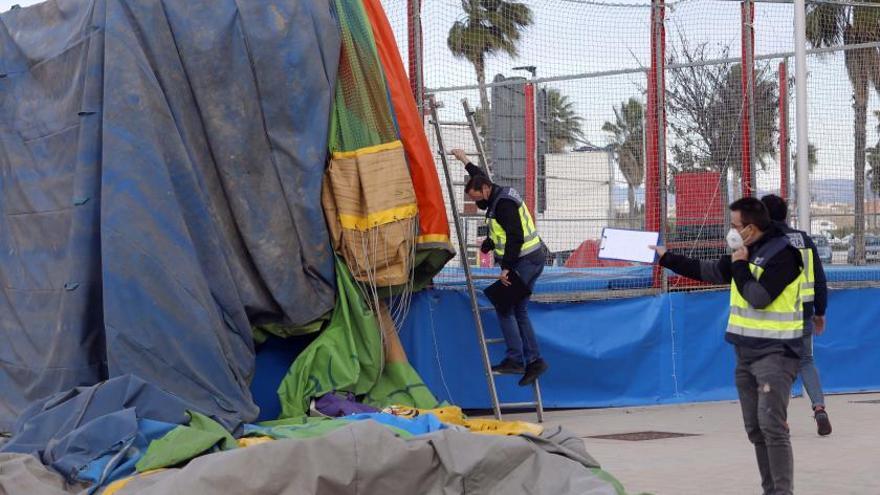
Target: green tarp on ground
[
  {"x": 348, "y": 356},
  {"x": 185, "y": 442}
]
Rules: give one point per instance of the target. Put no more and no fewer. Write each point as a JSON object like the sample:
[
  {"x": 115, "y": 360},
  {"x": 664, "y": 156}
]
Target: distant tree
[
  {"x": 832, "y": 25},
  {"x": 705, "y": 111},
  {"x": 564, "y": 124},
  {"x": 627, "y": 137},
  {"x": 489, "y": 27}
]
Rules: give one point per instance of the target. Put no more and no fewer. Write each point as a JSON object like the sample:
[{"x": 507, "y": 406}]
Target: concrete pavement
[{"x": 720, "y": 460}]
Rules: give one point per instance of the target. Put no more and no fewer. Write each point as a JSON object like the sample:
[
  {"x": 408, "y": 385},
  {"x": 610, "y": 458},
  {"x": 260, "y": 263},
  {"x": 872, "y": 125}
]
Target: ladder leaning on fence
[{"x": 463, "y": 246}]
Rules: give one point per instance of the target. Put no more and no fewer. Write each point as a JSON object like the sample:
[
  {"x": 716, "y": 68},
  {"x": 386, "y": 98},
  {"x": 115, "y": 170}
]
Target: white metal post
[{"x": 801, "y": 127}]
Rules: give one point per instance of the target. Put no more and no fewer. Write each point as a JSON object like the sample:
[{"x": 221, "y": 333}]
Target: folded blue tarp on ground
[
  {"x": 97, "y": 433},
  {"x": 160, "y": 191}
]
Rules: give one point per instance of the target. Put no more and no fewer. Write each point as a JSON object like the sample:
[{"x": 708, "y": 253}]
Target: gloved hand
[{"x": 487, "y": 246}]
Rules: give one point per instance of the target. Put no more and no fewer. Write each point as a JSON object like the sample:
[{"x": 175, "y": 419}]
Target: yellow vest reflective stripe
[
  {"x": 531, "y": 240},
  {"x": 798, "y": 239},
  {"x": 781, "y": 319},
  {"x": 808, "y": 291}
]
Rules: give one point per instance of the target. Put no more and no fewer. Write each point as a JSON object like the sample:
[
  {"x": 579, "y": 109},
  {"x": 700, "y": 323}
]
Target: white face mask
[{"x": 734, "y": 240}]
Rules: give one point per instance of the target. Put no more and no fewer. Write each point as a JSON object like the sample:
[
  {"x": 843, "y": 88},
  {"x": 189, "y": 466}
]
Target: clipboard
[
  {"x": 628, "y": 245},
  {"x": 505, "y": 296}
]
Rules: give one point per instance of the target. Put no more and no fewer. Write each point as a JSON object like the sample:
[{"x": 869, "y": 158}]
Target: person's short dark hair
[
  {"x": 776, "y": 207},
  {"x": 752, "y": 211},
  {"x": 476, "y": 183}
]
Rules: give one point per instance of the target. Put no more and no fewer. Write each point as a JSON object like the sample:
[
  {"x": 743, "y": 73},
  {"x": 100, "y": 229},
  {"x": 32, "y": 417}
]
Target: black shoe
[
  {"x": 823, "y": 425},
  {"x": 534, "y": 369},
  {"x": 508, "y": 367}
]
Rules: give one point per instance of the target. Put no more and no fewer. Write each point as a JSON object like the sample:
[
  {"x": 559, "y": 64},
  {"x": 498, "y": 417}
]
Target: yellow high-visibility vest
[
  {"x": 781, "y": 319},
  {"x": 531, "y": 240}
]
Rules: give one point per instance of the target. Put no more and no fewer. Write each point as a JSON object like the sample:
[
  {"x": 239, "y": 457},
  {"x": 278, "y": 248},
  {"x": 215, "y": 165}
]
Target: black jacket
[
  {"x": 507, "y": 215},
  {"x": 779, "y": 272}
]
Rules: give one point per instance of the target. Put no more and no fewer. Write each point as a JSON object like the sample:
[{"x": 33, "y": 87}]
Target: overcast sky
[
  {"x": 574, "y": 37},
  {"x": 6, "y": 4}
]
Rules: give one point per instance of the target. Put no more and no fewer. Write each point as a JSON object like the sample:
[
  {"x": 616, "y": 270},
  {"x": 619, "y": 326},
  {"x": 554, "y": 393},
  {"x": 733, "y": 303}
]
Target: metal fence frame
[{"x": 656, "y": 214}]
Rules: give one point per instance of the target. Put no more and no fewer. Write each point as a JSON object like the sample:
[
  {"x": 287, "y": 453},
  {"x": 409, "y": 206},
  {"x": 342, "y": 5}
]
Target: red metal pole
[
  {"x": 652, "y": 160},
  {"x": 531, "y": 146},
  {"x": 414, "y": 52},
  {"x": 746, "y": 76},
  {"x": 783, "y": 130},
  {"x": 655, "y": 129}
]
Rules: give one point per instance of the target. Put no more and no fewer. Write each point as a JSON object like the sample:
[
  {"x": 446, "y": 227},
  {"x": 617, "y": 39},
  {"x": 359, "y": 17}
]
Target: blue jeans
[
  {"x": 515, "y": 324},
  {"x": 809, "y": 374}
]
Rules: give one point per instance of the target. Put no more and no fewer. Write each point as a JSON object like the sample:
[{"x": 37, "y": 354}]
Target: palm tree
[
  {"x": 873, "y": 173},
  {"x": 829, "y": 25},
  {"x": 627, "y": 134},
  {"x": 563, "y": 122},
  {"x": 489, "y": 27},
  {"x": 873, "y": 177}
]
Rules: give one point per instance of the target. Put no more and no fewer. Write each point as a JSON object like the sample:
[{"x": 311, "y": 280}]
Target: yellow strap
[
  {"x": 117, "y": 485},
  {"x": 498, "y": 427},
  {"x": 251, "y": 441},
  {"x": 432, "y": 238},
  {"x": 356, "y": 222},
  {"x": 368, "y": 150}
]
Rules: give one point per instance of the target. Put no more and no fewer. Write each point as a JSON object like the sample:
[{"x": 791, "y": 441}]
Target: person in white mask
[{"x": 765, "y": 327}]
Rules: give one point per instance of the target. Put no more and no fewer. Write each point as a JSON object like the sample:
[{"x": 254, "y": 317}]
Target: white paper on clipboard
[{"x": 628, "y": 245}]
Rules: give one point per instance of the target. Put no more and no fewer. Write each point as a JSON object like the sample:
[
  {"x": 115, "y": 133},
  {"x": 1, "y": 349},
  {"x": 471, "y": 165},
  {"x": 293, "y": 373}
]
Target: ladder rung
[
  {"x": 494, "y": 341},
  {"x": 454, "y": 122},
  {"x": 511, "y": 405}
]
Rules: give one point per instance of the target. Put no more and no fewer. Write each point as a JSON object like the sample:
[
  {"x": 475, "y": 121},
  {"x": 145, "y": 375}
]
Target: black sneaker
[
  {"x": 823, "y": 425},
  {"x": 534, "y": 369},
  {"x": 508, "y": 367}
]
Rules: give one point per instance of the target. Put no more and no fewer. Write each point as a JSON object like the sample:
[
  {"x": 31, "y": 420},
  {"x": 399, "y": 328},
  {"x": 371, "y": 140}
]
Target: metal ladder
[{"x": 476, "y": 309}]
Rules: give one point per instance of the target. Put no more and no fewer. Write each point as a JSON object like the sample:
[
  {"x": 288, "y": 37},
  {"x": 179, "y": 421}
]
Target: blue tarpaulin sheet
[
  {"x": 160, "y": 173},
  {"x": 639, "y": 351},
  {"x": 97, "y": 433}
]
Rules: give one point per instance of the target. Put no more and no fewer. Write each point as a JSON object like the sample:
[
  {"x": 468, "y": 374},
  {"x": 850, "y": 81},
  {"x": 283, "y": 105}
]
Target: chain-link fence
[{"x": 566, "y": 96}]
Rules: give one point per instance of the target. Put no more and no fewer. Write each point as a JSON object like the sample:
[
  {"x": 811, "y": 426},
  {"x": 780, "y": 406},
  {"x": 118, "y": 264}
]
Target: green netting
[{"x": 361, "y": 115}]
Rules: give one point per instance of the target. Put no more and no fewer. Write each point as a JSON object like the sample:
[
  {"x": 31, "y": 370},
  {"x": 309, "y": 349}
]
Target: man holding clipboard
[
  {"x": 520, "y": 252},
  {"x": 765, "y": 326}
]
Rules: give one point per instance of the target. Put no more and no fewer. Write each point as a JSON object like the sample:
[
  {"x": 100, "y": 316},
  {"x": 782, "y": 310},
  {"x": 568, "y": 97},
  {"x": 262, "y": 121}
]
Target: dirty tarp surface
[
  {"x": 160, "y": 173},
  {"x": 92, "y": 433},
  {"x": 349, "y": 461},
  {"x": 346, "y": 461}
]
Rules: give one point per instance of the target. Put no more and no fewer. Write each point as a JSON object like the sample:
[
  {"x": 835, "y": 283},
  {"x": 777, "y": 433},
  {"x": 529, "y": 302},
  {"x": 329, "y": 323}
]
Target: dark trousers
[
  {"x": 764, "y": 386},
  {"x": 516, "y": 326}
]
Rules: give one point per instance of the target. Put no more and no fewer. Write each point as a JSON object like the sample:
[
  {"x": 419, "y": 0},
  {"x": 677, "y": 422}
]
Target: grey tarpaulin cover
[
  {"x": 160, "y": 173},
  {"x": 367, "y": 458},
  {"x": 362, "y": 458}
]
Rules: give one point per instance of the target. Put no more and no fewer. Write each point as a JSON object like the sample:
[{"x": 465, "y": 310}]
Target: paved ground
[{"x": 720, "y": 461}]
